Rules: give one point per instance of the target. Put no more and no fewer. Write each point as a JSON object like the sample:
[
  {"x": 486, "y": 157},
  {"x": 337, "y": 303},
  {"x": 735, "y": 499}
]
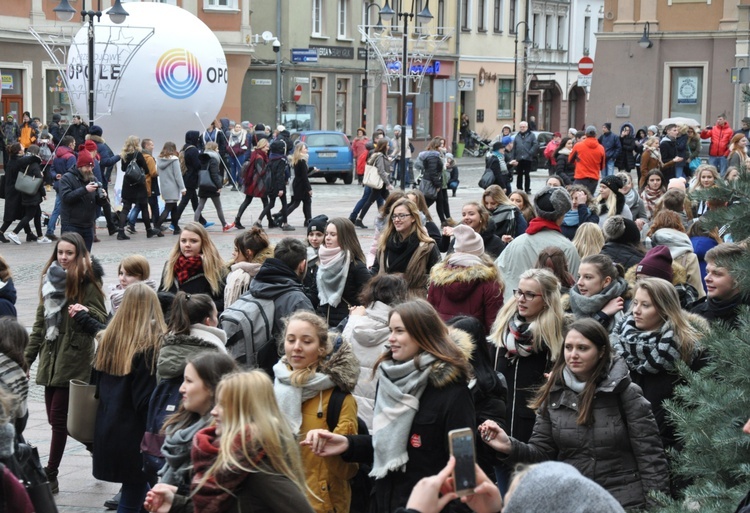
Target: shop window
[
  {"x": 504, "y": 98},
  {"x": 56, "y": 96},
  {"x": 341, "y": 101}
]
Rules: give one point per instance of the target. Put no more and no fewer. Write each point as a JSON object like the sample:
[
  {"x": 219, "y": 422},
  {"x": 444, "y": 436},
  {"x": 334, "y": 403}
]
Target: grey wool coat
[{"x": 171, "y": 184}]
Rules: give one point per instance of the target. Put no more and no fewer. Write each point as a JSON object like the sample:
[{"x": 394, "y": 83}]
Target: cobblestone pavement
[{"x": 79, "y": 491}]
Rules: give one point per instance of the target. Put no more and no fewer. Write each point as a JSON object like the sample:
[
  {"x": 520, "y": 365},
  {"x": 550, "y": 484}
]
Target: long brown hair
[
  {"x": 595, "y": 333},
  {"x": 429, "y": 332},
  {"x": 137, "y": 328},
  {"x": 80, "y": 270},
  {"x": 347, "y": 238}
]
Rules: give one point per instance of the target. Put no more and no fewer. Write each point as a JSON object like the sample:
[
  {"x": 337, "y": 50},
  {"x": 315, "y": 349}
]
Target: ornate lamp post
[{"x": 526, "y": 43}]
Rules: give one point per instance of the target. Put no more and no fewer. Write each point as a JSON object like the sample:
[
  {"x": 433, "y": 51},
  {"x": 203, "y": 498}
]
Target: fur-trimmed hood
[
  {"x": 679, "y": 274},
  {"x": 443, "y": 373},
  {"x": 443, "y": 274},
  {"x": 96, "y": 138},
  {"x": 342, "y": 367},
  {"x": 96, "y": 266},
  {"x": 177, "y": 349}
]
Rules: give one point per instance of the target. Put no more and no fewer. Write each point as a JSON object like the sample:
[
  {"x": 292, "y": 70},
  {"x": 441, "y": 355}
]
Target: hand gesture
[
  {"x": 447, "y": 231},
  {"x": 159, "y": 499},
  {"x": 74, "y": 309},
  {"x": 425, "y": 496},
  {"x": 486, "y": 497},
  {"x": 324, "y": 443},
  {"x": 357, "y": 311},
  {"x": 494, "y": 436},
  {"x": 615, "y": 305}
]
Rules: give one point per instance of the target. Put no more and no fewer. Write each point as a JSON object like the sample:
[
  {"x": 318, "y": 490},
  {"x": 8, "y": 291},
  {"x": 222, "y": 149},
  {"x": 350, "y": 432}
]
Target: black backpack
[{"x": 165, "y": 400}]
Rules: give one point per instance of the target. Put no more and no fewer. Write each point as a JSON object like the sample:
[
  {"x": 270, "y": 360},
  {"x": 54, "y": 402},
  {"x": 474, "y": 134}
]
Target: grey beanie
[
  {"x": 654, "y": 129},
  {"x": 591, "y": 130},
  {"x": 552, "y": 203},
  {"x": 555, "y": 487}
]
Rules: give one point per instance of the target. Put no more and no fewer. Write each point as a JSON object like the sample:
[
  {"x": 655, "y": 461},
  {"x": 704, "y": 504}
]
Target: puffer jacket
[
  {"x": 327, "y": 478},
  {"x": 368, "y": 334},
  {"x": 210, "y": 160},
  {"x": 432, "y": 163},
  {"x": 623, "y": 254},
  {"x": 475, "y": 291},
  {"x": 720, "y": 137},
  {"x": 176, "y": 350},
  {"x": 623, "y": 455},
  {"x": 681, "y": 249},
  {"x": 69, "y": 356},
  {"x": 131, "y": 191}
]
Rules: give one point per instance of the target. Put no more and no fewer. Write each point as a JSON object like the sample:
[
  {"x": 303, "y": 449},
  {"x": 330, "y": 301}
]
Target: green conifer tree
[{"x": 709, "y": 410}]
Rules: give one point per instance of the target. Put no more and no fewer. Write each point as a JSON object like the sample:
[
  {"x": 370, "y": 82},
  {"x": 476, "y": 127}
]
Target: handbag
[
  {"x": 27, "y": 467},
  {"x": 28, "y": 184},
  {"x": 2, "y": 186},
  {"x": 694, "y": 164},
  {"x": 487, "y": 179},
  {"x": 205, "y": 183},
  {"x": 429, "y": 189},
  {"x": 372, "y": 177},
  {"x": 134, "y": 175},
  {"x": 83, "y": 402}
]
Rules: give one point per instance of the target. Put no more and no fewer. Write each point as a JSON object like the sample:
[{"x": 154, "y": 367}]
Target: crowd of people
[{"x": 319, "y": 375}]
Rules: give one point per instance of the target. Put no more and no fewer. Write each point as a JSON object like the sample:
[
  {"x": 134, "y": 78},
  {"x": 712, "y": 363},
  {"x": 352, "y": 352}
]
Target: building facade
[
  {"x": 31, "y": 81},
  {"x": 693, "y": 67}
]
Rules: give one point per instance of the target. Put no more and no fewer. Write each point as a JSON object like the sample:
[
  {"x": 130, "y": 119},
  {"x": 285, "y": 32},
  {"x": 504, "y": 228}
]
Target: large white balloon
[{"x": 159, "y": 74}]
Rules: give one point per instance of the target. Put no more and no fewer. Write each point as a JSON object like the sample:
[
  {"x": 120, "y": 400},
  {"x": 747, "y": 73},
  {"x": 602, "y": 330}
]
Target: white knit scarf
[
  {"x": 290, "y": 397},
  {"x": 333, "y": 270},
  {"x": 400, "y": 386},
  {"x": 53, "y": 295}
]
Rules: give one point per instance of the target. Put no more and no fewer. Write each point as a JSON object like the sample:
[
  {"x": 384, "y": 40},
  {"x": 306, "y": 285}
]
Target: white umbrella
[{"x": 678, "y": 121}]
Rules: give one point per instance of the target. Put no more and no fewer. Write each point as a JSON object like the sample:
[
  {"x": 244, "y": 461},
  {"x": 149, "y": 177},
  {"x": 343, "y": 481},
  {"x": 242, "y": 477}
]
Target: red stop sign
[
  {"x": 297, "y": 93},
  {"x": 586, "y": 66}
]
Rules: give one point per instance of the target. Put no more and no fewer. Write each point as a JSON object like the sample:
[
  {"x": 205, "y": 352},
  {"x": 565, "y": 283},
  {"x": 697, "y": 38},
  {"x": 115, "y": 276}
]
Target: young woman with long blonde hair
[
  {"x": 125, "y": 375},
  {"x": 247, "y": 460}
]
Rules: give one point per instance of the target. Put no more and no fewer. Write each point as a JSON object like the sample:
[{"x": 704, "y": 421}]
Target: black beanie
[{"x": 317, "y": 224}]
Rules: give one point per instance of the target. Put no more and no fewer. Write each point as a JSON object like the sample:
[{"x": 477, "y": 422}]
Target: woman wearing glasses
[
  {"x": 528, "y": 334},
  {"x": 406, "y": 248}
]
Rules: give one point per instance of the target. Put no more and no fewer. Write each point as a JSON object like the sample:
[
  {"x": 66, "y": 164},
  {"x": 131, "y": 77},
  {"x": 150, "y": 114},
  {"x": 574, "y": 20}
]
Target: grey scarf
[
  {"x": 53, "y": 295},
  {"x": 400, "y": 386},
  {"x": 290, "y": 397},
  {"x": 176, "y": 450},
  {"x": 333, "y": 270},
  {"x": 646, "y": 352},
  {"x": 572, "y": 382},
  {"x": 583, "y": 306}
]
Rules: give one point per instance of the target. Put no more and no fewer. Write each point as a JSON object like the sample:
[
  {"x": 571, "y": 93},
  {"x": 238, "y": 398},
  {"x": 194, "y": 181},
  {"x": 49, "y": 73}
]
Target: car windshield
[{"x": 318, "y": 140}]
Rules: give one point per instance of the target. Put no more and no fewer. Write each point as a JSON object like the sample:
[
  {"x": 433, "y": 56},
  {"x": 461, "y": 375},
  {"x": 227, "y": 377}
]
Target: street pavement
[{"x": 79, "y": 491}]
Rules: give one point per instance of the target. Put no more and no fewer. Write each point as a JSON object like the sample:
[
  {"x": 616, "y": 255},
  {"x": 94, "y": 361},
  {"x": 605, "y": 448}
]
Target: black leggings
[
  {"x": 170, "y": 207},
  {"x": 30, "y": 212},
  {"x": 306, "y": 202},
  {"x": 246, "y": 203},
  {"x": 440, "y": 205},
  {"x": 269, "y": 206},
  {"x": 191, "y": 195},
  {"x": 127, "y": 205}
]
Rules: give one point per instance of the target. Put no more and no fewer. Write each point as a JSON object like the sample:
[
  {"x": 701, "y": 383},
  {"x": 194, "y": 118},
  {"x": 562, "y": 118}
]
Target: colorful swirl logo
[{"x": 178, "y": 73}]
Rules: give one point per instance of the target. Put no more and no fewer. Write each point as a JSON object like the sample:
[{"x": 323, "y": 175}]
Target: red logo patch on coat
[{"x": 415, "y": 441}]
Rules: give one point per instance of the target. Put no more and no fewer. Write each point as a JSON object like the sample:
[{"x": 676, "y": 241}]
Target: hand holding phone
[{"x": 462, "y": 449}]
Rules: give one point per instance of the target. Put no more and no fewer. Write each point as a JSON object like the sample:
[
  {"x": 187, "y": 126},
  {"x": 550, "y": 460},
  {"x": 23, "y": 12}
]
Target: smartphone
[{"x": 462, "y": 448}]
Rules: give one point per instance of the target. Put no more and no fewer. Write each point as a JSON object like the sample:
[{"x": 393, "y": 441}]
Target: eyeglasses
[
  {"x": 528, "y": 296},
  {"x": 400, "y": 217}
]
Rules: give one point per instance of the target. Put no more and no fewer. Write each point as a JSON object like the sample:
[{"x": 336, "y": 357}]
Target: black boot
[
  {"x": 237, "y": 224},
  {"x": 121, "y": 235},
  {"x": 52, "y": 478},
  {"x": 154, "y": 233}
]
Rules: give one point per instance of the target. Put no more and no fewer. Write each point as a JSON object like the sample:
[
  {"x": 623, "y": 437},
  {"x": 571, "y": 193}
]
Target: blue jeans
[
  {"x": 720, "y": 163},
  {"x": 609, "y": 169},
  {"x": 87, "y": 233},
  {"x": 235, "y": 165},
  {"x": 53, "y": 216},
  {"x": 362, "y": 201},
  {"x": 679, "y": 170},
  {"x": 133, "y": 495}
]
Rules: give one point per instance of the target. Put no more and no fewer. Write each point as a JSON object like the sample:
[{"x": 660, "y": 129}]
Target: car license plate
[{"x": 327, "y": 154}]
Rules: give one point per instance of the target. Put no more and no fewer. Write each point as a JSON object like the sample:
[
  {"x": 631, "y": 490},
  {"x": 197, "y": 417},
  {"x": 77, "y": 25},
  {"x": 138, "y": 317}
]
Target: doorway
[{"x": 12, "y": 104}]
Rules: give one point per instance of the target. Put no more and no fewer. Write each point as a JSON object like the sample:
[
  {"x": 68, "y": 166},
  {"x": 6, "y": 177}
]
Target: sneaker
[
  {"x": 131, "y": 228},
  {"x": 227, "y": 227},
  {"x": 44, "y": 240},
  {"x": 52, "y": 478},
  {"x": 13, "y": 238},
  {"x": 257, "y": 224},
  {"x": 171, "y": 227},
  {"x": 51, "y": 236},
  {"x": 208, "y": 224},
  {"x": 288, "y": 228}
]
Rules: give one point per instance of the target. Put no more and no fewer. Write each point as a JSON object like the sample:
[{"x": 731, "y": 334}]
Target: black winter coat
[
  {"x": 134, "y": 192},
  {"x": 623, "y": 254},
  {"x": 192, "y": 162},
  {"x": 301, "y": 184},
  {"x": 626, "y": 159},
  {"x": 121, "y": 422},
  {"x": 565, "y": 169},
  {"x": 621, "y": 451},
  {"x": 433, "y": 168},
  {"x": 198, "y": 284},
  {"x": 13, "y": 208},
  {"x": 77, "y": 205},
  {"x": 356, "y": 280},
  {"x": 212, "y": 164},
  {"x": 489, "y": 404},
  {"x": 276, "y": 165}
]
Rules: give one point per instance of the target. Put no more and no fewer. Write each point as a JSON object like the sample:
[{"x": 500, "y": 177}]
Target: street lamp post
[
  {"x": 117, "y": 14},
  {"x": 424, "y": 16},
  {"x": 378, "y": 28},
  {"x": 277, "y": 50},
  {"x": 526, "y": 43}
]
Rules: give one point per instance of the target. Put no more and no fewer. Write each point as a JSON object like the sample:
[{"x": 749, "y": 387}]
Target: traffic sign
[
  {"x": 298, "y": 93},
  {"x": 586, "y": 65},
  {"x": 304, "y": 55},
  {"x": 584, "y": 80}
]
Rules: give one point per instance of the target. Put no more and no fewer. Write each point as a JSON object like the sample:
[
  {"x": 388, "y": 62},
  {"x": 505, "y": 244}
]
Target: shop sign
[
  {"x": 334, "y": 52},
  {"x": 687, "y": 90},
  {"x": 7, "y": 81},
  {"x": 261, "y": 81},
  {"x": 542, "y": 84}
]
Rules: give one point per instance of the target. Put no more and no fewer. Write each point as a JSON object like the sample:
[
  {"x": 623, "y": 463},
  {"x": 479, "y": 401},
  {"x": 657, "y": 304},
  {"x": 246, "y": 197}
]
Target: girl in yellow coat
[{"x": 305, "y": 380}]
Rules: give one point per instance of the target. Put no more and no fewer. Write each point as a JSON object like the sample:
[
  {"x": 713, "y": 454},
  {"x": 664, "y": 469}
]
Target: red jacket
[
  {"x": 589, "y": 157},
  {"x": 720, "y": 137}
]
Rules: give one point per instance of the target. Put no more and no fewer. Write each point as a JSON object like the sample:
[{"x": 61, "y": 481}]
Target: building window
[
  {"x": 536, "y": 31},
  {"x": 396, "y": 6},
  {"x": 686, "y": 92},
  {"x": 482, "y": 15},
  {"x": 504, "y": 98},
  {"x": 342, "y": 21},
  {"x": 219, "y": 4},
  {"x": 465, "y": 15},
  {"x": 441, "y": 16},
  {"x": 561, "y": 33},
  {"x": 512, "y": 17},
  {"x": 341, "y": 103},
  {"x": 317, "y": 18},
  {"x": 549, "y": 33},
  {"x": 586, "y": 35},
  {"x": 497, "y": 17}
]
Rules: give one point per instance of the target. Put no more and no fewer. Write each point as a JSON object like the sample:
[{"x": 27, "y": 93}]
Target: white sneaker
[
  {"x": 13, "y": 237},
  {"x": 44, "y": 240}
]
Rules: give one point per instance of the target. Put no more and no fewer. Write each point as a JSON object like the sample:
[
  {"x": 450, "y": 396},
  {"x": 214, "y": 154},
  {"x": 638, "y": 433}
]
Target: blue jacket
[
  {"x": 64, "y": 160},
  {"x": 611, "y": 143}
]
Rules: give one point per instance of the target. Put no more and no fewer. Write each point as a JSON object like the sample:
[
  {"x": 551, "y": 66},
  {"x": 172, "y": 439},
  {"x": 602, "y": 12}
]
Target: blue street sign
[{"x": 304, "y": 55}]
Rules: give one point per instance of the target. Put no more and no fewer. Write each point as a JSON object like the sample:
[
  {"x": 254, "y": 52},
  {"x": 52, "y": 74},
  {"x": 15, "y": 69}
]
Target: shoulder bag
[
  {"x": 82, "y": 405},
  {"x": 205, "y": 183},
  {"x": 27, "y": 467},
  {"x": 372, "y": 177},
  {"x": 134, "y": 175},
  {"x": 429, "y": 189},
  {"x": 28, "y": 184}
]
